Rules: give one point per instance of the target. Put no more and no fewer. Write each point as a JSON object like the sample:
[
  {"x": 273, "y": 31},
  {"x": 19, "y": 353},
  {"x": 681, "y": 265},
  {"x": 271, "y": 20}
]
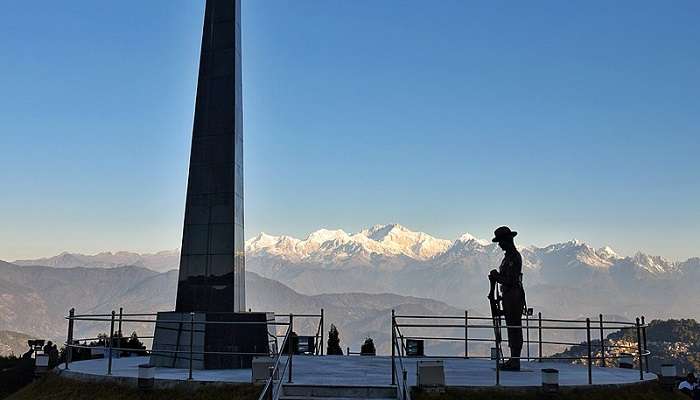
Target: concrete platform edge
[{"x": 133, "y": 382}]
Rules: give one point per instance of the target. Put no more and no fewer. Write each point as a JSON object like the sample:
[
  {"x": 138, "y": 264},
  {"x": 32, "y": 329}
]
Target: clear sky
[{"x": 562, "y": 119}]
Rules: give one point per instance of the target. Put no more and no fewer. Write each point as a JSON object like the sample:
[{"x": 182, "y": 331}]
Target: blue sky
[{"x": 562, "y": 119}]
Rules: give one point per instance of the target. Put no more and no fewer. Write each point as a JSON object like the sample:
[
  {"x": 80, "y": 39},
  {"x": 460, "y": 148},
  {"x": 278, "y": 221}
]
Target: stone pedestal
[{"x": 175, "y": 331}]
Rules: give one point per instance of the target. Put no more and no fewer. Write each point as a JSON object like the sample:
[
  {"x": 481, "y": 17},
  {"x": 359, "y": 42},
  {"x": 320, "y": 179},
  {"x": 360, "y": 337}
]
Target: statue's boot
[{"x": 513, "y": 364}]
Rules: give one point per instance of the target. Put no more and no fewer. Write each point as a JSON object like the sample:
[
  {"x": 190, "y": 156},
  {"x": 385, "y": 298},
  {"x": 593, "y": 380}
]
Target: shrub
[{"x": 368, "y": 347}]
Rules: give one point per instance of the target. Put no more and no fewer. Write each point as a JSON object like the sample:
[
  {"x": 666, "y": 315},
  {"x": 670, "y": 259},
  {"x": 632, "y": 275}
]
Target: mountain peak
[
  {"x": 654, "y": 265},
  {"x": 607, "y": 252},
  {"x": 323, "y": 235},
  {"x": 398, "y": 239},
  {"x": 467, "y": 237},
  {"x": 379, "y": 232},
  {"x": 261, "y": 241}
]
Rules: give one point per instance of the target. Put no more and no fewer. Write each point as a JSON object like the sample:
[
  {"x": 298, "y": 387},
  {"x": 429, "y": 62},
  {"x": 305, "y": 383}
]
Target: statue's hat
[{"x": 503, "y": 232}]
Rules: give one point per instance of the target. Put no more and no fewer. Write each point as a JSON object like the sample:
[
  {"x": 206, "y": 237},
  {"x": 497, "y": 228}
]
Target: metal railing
[
  {"x": 273, "y": 385},
  {"x": 318, "y": 335},
  {"x": 469, "y": 324},
  {"x": 403, "y": 392},
  {"x": 281, "y": 367},
  {"x": 348, "y": 352}
]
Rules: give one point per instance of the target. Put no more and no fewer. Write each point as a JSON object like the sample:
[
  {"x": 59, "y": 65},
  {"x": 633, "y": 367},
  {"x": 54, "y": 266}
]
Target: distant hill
[
  {"x": 13, "y": 343},
  {"x": 161, "y": 262},
  {"x": 676, "y": 341},
  {"x": 35, "y": 300}
]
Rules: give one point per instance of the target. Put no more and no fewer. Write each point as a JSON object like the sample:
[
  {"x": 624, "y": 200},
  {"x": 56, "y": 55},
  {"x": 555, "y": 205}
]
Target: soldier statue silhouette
[{"x": 509, "y": 276}]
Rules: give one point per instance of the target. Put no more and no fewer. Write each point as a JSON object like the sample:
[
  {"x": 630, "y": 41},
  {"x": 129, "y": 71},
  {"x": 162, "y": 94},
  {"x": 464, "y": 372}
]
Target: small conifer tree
[{"x": 334, "y": 342}]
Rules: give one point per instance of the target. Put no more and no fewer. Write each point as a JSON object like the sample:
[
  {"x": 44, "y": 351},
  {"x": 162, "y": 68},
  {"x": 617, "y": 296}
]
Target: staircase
[{"x": 329, "y": 392}]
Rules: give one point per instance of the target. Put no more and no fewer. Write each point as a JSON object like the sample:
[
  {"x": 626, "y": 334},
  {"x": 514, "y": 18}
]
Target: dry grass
[
  {"x": 53, "y": 387},
  {"x": 650, "y": 391}
]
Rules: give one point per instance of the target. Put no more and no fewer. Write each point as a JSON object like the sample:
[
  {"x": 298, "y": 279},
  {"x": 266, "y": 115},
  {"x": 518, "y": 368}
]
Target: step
[
  {"x": 340, "y": 391},
  {"x": 331, "y": 398}
]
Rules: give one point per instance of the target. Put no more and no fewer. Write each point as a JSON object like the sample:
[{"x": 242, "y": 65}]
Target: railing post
[
  {"x": 270, "y": 387},
  {"x": 111, "y": 338},
  {"x": 588, "y": 342},
  {"x": 498, "y": 364},
  {"x": 405, "y": 380},
  {"x": 393, "y": 347},
  {"x": 191, "y": 345},
  {"x": 402, "y": 348},
  {"x": 644, "y": 339},
  {"x": 539, "y": 335},
  {"x": 527, "y": 334},
  {"x": 466, "y": 334},
  {"x": 121, "y": 310},
  {"x": 322, "y": 328},
  {"x": 69, "y": 337},
  {"x": 639, "y": 349},
  {"x": 291, "y": 345},
  {"x": 602, "y": 341}
]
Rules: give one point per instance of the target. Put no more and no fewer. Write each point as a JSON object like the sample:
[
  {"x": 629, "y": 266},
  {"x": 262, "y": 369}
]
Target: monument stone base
[{"x": 176, "y": 331}]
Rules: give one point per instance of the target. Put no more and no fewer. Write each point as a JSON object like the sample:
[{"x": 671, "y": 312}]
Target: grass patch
[
  {"x": 649, "y": 391},
  {"x": 53, "y": 387},
  {"x": 15, "y": 373}
]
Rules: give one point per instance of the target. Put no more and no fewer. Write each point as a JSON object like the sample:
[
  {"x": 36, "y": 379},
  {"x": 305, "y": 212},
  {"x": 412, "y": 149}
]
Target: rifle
[{"x": 496, "y": 312}]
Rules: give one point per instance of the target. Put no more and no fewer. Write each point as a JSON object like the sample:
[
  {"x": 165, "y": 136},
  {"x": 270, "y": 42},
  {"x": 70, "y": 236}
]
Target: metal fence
[
  {"x": 403, "y": 328},
  {"x": 468, "y": 324},
  {"x": 280, "y": 369}
]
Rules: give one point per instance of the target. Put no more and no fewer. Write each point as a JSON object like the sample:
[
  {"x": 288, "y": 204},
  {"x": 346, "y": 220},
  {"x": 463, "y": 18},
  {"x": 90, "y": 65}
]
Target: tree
[
  {"x": 133, "y": 342},
  {"x": 368, "y": 347},
  {"x": 334, "y": 342}
]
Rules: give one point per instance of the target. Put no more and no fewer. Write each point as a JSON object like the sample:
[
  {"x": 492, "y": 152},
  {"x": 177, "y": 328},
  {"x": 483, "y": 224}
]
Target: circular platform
[{"x": 367, "y": 371}]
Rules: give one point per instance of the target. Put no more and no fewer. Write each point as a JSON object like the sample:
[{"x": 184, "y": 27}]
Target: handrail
[
  {"x": 318, "y": 335},
  {"x": 508, "y": 326},
  {"x": 317, "y": 344},
  {"x": 469, "y": 317},
  {"x": 77, "y": 318},
  {"x": 264, "y": 395},
  {"x": 461, "y": 339}
]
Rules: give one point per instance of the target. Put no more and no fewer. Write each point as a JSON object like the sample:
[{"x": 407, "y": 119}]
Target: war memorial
[{"x": 211, "y": 338}]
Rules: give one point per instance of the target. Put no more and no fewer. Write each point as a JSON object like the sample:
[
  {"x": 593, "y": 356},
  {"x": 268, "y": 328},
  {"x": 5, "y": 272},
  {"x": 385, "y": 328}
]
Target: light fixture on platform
[{"x": 668, "y": 375}]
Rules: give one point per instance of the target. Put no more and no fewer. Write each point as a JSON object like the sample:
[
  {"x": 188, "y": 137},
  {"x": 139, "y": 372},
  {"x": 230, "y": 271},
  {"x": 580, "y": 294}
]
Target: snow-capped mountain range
[
  {"x": 561, "y": 277},
  {"x": 336, "y": 248}
]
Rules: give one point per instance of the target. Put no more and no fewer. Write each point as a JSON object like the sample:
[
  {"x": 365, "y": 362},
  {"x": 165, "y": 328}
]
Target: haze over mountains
[
  {"x": 161, "y": 261},
  {"x": 333, "y": 269},
  {"x": 35, "y": 299}
]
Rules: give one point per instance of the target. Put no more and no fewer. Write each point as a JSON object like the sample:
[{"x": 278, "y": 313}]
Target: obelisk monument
[{"x": 212, "y": 262}]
